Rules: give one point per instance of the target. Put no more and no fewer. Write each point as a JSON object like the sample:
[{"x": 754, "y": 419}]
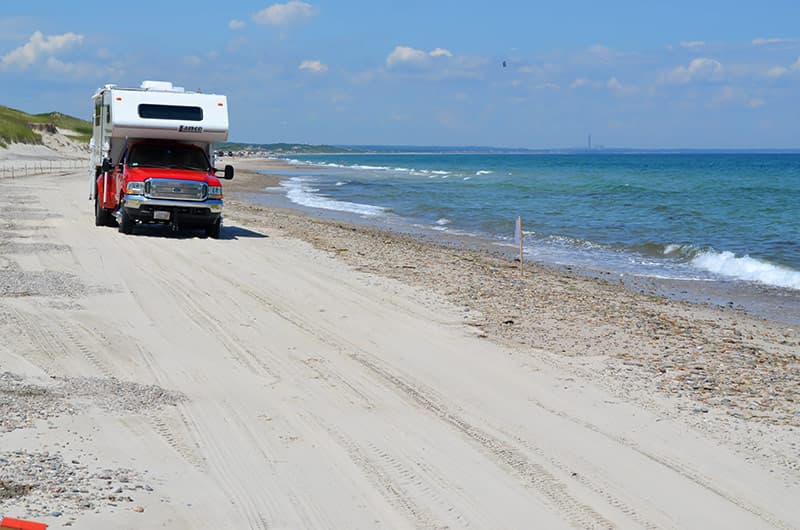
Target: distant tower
[{"x": 590, "y": 141}]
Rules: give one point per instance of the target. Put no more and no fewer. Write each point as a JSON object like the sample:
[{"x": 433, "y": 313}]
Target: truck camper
[{"x": 152, "y": 157}]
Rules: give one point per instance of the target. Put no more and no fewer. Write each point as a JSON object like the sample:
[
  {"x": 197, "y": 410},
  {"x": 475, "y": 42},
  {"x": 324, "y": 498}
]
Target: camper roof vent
[{"x": 162, "y": 86}]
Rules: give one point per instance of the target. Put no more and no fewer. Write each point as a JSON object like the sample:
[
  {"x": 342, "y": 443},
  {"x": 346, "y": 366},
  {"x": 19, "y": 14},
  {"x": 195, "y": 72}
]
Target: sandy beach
[{"x": 309, "y": 373}]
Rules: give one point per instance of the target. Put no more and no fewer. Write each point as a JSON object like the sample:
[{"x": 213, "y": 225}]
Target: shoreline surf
[{"x": 772, "y": 302}]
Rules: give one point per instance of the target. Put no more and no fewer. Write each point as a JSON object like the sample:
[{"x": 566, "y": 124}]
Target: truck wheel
[
  {"x": 213, "y": 229},
  {"x": 125, "y": 223},
  {"x": 100, "y": 214}
]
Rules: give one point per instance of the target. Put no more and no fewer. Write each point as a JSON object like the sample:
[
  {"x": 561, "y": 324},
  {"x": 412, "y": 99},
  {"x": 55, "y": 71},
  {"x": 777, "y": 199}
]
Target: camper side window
[{"x": 170, "y": 112}]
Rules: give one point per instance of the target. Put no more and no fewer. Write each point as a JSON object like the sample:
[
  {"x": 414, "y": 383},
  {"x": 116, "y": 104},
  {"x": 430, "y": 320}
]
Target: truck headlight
[
  {"x": 134, "y": 188},
  {"x": 215, "y": 192}
]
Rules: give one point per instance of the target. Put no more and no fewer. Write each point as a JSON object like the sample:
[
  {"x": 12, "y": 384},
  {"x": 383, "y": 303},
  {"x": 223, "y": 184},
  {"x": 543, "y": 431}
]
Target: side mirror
[
  {"x": 228, "y": 172},
  {"x": 106, "y": 165}
]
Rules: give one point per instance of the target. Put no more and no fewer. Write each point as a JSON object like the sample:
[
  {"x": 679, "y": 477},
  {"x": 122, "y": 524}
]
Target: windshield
[{"x": 168, "y": 156}]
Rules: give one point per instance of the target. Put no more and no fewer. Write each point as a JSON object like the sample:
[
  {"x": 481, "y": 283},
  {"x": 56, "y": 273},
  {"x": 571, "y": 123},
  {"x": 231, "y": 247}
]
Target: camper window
[{"x": 170, "y": 112}]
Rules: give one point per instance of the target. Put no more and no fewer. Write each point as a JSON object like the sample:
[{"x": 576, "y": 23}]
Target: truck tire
[
  {"x": 101, "y": 215},
  {"x": 213, "y": 229},
  {"x": 125, "y": 223}
]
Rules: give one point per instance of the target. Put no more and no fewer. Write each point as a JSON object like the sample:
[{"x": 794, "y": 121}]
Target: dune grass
[{"x": 16, "y": 126}]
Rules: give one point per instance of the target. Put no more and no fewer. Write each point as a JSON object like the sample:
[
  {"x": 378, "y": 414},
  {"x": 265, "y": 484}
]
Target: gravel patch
[
  {"x": 15, "y": 283},
  {"x": 13, "y": 247},
  {"x": 17, "y": 213},
  {"x": 114, "y": 395},
  {"x": 41, "y": 484},
  {"x": 37, "y": 484},
  {"x": 24, "y": 402}
]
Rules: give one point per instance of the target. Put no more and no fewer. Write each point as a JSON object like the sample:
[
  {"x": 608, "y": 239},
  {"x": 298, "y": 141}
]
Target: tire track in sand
[
  {"x": 553, "y": 491},
  {"x": 676, "y": 466},
  {"x": 395, "y": 494}
]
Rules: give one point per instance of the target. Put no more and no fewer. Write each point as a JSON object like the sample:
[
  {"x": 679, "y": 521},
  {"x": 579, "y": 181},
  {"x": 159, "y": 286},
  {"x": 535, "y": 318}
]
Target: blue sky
[{"x": 633, "y": 74}]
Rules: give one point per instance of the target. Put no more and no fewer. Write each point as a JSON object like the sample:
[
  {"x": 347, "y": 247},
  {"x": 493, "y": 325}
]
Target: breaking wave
[
  {"x": 301, "y": 191},
  {"x": 746, "y": 268}
]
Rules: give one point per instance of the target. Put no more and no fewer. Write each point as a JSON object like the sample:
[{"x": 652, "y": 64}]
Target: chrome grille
[{"x": 185, "y": 190}]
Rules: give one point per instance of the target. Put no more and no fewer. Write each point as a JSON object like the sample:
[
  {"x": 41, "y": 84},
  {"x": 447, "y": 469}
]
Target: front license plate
[{"x": 158, "y": 214}]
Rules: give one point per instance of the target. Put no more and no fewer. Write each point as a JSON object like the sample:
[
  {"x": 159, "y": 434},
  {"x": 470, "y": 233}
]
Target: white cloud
[
  {"x": 601, "y": 53},
  {"x": 38, "y": 47},
  {"x": 434, "y": 65},
  {"x": 54, "y": 68},
  {"x": 729, "y": 95},
  {"x": 407, "y": 56},
  {"x": 693, "y": 44},
  {"x": 612, "y": 84},
  {"x": 599, "y": 49},
  {"x": 236, "y": 24},
  {"x": 440, "y": 52},
  {"x": 796, "y": 65},
  {"x": 777, "y": 71},
  {"x": 581, "y": 81},
  {"x": 699, "y": 70},
  {"x": 773, "y": 40},
  {"x": 620, "y": 89},
  {"x": 543, "y": 86},
  {"x": 285, "y": 14},
  {"x": 725, "y": 94},
  {"x": 313, "y": 66}
]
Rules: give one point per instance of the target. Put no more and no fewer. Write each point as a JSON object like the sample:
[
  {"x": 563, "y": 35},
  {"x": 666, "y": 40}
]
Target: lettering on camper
[{"x": 190, "y": 128}]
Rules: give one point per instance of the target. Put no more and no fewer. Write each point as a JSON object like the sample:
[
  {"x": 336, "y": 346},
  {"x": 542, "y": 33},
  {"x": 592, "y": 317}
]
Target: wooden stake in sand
[{"x": 518, "y": 240}]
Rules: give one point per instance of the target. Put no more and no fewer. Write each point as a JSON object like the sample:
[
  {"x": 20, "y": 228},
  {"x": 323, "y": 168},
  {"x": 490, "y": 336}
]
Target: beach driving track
[{"x": 318, "y": 396}]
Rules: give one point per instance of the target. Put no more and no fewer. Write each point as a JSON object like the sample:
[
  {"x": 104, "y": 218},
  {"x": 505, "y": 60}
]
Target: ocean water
[{"x": 711, "y": 217}]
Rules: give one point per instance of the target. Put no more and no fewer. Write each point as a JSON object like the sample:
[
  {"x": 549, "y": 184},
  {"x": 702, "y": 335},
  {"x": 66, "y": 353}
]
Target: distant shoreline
[{"x": 305, "y": 149}]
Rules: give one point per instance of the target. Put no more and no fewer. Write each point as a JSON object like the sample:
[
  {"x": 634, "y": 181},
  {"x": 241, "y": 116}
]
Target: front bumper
[{"x": 200, "y": 213}]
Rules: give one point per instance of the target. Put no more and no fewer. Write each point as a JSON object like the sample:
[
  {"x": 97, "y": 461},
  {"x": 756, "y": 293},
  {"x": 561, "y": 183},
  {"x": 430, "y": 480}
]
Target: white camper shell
[{"x": 156, "y": 110}]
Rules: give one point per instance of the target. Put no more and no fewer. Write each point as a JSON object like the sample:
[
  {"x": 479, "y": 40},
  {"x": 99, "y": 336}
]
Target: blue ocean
[{"x": 680, "y": 216}]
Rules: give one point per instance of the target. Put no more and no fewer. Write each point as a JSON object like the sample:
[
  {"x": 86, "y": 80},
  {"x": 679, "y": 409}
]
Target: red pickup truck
[{"x": 151, "y": 162}]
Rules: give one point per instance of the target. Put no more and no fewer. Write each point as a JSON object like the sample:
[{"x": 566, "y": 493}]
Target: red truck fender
[{"x": 107, "y": 186}]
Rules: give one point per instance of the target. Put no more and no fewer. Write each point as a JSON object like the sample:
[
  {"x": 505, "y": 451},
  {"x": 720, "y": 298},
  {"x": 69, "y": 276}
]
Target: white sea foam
[
  {"x": 443, "y": 221},
  {"x": 299, "y": 191},
  {"x": 369, "y": 168},
  {"x": 467, "y": 178},
  {"x": 342, "y": 183},
  {"x": 484, "y": 172},
  {"x": 747, "y": 268}
]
